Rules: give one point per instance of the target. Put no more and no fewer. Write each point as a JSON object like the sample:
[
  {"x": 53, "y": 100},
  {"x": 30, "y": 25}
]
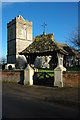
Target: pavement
[
  {"x": 19, "y": 101},
  {"x": 63, "y": 96}
]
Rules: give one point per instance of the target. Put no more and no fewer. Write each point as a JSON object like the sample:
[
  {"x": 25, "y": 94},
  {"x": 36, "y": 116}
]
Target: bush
[{"x": 73, "y": 68}]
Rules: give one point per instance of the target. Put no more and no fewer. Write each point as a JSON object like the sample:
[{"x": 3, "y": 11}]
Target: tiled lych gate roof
[{"x": 43, "y": 43}]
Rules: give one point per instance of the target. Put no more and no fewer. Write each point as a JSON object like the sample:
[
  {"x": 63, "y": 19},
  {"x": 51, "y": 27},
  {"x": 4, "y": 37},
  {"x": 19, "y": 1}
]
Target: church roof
[
  {"x": 77, "y": 53},
  {"x": 43, "y": 43},
  {"x": 66, "y": 48},
  {"x": 71, "y": 51}
]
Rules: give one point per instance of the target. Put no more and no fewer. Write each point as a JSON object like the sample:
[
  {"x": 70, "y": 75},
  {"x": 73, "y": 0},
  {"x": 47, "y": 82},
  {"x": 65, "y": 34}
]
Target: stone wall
[
  {"x": 23, "y": 34},
  {"x": 71, "y": 79},
  {"x": 12, "y": 75},
  {"x": 11, "y": 42},
  {"x": 19, "y": 36}
]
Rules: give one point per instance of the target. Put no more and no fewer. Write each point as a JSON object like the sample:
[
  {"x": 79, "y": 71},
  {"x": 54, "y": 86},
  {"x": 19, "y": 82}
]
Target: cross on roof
[{"x": 44, "y": 26}]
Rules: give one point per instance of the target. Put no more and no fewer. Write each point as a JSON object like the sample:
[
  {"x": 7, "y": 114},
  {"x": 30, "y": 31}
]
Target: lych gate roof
[{"x": 43, "y": 43}]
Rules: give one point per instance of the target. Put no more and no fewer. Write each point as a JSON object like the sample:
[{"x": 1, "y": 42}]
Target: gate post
[
  {"x": 58, "y": 71},
  {"x": 28, "y": 75}
]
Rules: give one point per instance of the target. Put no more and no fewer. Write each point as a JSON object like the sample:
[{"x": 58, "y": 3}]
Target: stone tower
[{"x": 19, "y": 36}]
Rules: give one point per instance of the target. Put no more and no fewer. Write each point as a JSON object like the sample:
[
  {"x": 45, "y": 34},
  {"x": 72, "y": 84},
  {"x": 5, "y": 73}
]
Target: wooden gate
[{"x": 43, "y": 78}]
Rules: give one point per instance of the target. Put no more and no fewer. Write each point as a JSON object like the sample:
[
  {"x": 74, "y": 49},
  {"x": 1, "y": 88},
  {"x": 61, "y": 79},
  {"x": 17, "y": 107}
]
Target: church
[
  {"x": 19, "y": 36},
  {"x": 40, "y": 51}
]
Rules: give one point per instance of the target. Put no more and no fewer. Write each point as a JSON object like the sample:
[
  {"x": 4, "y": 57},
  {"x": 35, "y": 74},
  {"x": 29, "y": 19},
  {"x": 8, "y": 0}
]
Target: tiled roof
[
  {"x": 46, "y": 43},
  {"x": 77, "y": 53},
  {"x": 66, "y": 48},
  {"x": 71, "y": 52},
  {"x": 43, "y": 43}
]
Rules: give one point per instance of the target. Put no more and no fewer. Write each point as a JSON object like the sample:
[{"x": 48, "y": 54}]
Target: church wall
[
  {"x": 21, "y": 45},
  {"x": 20, "y": 31},
  {"x": 11, "y": 31},
  {"x": 19, "y": 36},
  {"x": 23, "y": 34},
  {"x": 29, "y": 33},
  {"x": 11, "y": 59},
  {"x": 42, "y": 61},
  {"x": 11, "y": 47},
  {"x": 11, "y": 42},
  {"x": 23, "y": 30}
]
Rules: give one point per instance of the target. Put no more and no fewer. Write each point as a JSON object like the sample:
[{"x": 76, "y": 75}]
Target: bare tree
[
  {"x": 74, "y": 39},
  {"x": 3, "y": 60}
]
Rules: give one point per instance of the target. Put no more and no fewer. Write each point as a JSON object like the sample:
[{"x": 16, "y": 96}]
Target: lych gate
[
  {"x": 44, "y": 46},
  {"x": 43, "y": 78}
]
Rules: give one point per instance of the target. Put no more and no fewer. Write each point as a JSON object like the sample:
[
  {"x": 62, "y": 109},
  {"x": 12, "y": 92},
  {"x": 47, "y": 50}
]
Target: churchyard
[
  {"x": 40, "y": 73},
  {"x": 38, "y": 61}
]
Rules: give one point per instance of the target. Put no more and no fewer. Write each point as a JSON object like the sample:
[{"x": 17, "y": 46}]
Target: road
[{"x": 18, "y": 105}]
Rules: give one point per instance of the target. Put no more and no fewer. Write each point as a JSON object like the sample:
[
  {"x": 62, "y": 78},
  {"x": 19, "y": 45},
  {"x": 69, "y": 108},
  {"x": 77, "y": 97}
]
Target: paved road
[
  {"x": 0, "y": 98},
  {"x": 16, "y": 105}
]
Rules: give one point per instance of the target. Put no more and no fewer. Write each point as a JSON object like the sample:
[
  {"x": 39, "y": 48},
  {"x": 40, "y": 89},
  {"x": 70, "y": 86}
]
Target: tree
[
  {"x": 74, "y": 39},
  {"x": 3, "y": 60}
]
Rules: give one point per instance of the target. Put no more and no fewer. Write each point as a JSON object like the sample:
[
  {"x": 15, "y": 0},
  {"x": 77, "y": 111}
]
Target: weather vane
[{"x": 44, "y": 25}]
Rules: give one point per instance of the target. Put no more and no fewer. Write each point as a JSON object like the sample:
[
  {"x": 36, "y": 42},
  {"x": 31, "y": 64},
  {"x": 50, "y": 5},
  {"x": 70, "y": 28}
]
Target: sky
[{"x": 61, "y": 18}]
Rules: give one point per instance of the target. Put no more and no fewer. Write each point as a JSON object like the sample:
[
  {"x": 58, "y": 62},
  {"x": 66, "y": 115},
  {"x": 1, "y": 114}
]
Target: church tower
[{"x": 19, "y": 36}]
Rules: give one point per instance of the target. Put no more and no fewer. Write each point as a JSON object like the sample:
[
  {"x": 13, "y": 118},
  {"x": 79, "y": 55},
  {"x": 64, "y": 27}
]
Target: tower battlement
[{"x": 19, "y": 36}]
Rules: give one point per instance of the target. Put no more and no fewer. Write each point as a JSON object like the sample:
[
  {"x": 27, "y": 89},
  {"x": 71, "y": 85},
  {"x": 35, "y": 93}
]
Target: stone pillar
[
  {"x": 58, "y": 71},
  {"x": 28, "y": 75},
  {"x": 35, "y": 69}
]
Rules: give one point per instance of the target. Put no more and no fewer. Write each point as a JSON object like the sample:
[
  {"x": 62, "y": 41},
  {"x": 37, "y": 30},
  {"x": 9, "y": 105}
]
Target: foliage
[{"x": 73, "y": 68}]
